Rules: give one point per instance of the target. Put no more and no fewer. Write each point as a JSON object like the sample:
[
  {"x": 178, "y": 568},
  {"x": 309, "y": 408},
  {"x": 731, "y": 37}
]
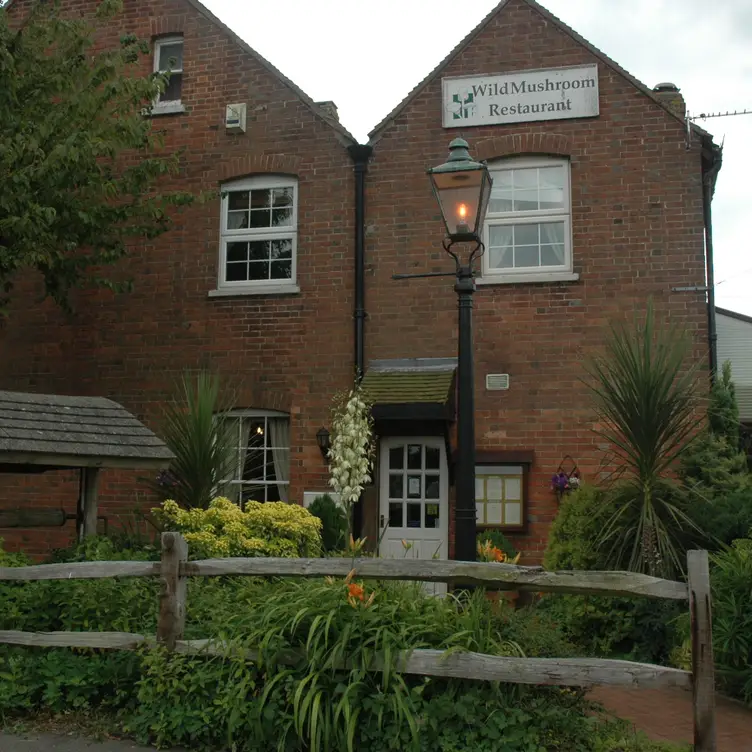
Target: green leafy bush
[
  {"x": 731, "y": 587},
  {"x": 316, "y": 704},
  {"x": 227, "y": 702},
  {"x": 715, "y": 471},
  {"x": 724, "y": 517},
  {"x": 731, "y": 583},
  {"x": 572, "y": 540},
  {"x": 713, "y": 466},
  {"x": 122, "y": 605},
  {"x": 271, "y": 529},
  {"x": 636, "y": 628},
  {"x": 61, "y": 680},
  {"x": 333, "y": 522}
]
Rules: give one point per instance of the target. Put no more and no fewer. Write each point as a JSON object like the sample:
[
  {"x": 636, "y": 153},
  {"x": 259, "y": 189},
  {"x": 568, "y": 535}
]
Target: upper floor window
[
  {"x": 168, "y": 57},
  {"x": 262, "y": 444},
  {"x": 259, "y": 233},
  {"x": 528, "y": 225}
]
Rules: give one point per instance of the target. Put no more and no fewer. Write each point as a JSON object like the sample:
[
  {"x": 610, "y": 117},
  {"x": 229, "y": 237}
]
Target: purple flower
[{"x": 560, "y": 481}]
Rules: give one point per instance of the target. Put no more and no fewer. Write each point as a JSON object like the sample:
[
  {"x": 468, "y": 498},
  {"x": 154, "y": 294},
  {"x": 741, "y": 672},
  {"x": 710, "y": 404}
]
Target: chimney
[
  {"x": 670, "y": 95},
  {"x": 329, "y": 108}
]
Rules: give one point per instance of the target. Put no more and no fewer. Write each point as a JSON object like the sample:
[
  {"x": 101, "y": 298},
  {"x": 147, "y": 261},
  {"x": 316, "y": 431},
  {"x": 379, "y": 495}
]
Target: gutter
[
  {"x": 712, "y": 159},
  {"x": 360, "y": 154}
]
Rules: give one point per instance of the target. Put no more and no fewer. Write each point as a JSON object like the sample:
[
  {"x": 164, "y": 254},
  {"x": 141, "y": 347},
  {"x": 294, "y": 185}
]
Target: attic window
[{"x": 168, "y": 58}]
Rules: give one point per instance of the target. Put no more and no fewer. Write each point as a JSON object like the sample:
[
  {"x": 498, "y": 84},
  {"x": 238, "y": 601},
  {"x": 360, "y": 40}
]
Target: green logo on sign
[{"x": 463, "y": 105}]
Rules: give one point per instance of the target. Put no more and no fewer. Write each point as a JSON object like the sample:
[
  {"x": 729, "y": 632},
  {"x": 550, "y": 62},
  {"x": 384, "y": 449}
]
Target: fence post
[
  {"x": 703, "y": 669},
  {"x": 172, "y": 598}
]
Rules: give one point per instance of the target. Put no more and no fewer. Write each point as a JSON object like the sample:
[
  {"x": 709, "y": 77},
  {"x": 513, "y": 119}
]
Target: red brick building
[{"x": 600, "y": 202}]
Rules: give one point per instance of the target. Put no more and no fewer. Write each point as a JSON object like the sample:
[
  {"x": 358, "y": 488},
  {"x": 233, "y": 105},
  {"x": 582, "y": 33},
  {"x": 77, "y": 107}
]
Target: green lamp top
[{"x": 459, "y": 159}]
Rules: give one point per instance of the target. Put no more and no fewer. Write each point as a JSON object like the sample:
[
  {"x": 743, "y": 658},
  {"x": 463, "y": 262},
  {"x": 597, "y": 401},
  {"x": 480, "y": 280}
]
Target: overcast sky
[{"x": 366, "y": 56}]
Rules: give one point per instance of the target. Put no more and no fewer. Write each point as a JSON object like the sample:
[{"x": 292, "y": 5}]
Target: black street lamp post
[{"x": 462, "y": 188}]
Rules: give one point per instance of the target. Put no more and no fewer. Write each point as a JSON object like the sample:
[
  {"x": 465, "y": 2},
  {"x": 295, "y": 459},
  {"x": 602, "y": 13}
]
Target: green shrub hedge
[{"x": 639, "y": 629}]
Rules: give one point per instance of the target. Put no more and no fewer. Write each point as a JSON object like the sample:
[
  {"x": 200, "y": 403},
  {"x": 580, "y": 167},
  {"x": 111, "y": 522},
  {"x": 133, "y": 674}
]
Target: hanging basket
[{"x": 566, "y": 478}]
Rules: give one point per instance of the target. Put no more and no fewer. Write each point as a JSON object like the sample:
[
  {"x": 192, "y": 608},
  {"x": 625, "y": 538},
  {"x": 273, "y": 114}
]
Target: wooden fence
[{"x": 174, "y": 569}]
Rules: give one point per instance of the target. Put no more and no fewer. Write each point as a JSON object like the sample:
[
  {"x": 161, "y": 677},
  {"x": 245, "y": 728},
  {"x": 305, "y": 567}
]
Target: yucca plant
[
  {"x": 197, "y": 427},
  {"x": 645, "y": 389}
]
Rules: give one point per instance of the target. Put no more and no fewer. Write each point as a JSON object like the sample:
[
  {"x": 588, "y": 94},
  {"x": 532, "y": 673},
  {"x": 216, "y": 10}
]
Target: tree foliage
[
  {"x": 80, "y": 163},
  {"x": 714, "y": 464}
]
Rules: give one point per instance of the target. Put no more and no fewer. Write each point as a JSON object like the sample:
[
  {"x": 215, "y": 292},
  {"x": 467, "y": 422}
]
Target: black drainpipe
[
  {"x": 710, "y": 174},
  {"x": 360, "y": 154}
]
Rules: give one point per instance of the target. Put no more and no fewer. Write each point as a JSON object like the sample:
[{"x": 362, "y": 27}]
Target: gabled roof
[
  {"x": 377, "y": 132},
  {"x": 58, "y": 431},
  {"x": 318, "y": 111}
]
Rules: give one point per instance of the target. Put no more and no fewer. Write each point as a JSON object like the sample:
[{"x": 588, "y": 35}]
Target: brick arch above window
[
  {"x": 255, "y": 164},
  {"x": 262, "y": 398},
  {"x": 513, "y": 144},
  {"x": 166, "y": 25}
]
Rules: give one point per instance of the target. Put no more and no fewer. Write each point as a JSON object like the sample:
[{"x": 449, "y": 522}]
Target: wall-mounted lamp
[{"x": 324, "y": 441}]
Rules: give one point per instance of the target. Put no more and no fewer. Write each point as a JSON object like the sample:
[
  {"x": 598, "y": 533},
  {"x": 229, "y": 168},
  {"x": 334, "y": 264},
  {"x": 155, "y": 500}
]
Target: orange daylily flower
[{"x": 355, "y": 591}]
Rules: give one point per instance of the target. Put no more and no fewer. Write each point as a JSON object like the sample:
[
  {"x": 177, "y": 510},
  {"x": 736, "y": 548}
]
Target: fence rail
[
  {"x": 496, "y": 576},
  {"x": 570, "y": 672},
  {"x": 174, "y": 569}
]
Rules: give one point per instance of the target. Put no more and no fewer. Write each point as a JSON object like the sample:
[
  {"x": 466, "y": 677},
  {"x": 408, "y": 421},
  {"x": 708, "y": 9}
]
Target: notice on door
[{"x": 521, "y": 97}]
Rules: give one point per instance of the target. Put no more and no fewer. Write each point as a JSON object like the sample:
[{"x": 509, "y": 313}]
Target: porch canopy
[
  {"x": 40, "y": 432},
  {"x": 411, "y": 389}
]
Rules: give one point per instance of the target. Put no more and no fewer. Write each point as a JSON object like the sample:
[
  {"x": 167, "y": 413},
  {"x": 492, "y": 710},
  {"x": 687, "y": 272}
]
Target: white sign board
[{"x": 550, "y": 94}]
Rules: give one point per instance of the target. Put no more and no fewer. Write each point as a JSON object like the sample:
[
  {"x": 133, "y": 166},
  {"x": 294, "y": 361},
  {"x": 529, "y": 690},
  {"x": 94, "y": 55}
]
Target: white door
[{"x": 414, "y": 500}]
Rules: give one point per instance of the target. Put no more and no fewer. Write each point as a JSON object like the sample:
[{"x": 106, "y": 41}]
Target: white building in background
[{"x": 735, "y": 345}]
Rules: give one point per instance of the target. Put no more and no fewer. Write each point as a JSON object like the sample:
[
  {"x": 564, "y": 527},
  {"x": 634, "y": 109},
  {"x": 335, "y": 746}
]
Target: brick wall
[
  {"x": 288, "y": 352},
  {"x": 637, "y": 232}
]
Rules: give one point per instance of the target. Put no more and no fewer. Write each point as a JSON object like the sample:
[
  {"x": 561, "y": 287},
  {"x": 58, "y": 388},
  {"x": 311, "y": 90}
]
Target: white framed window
[
  {"x": 528, "y": 229},
  {"x": 261, "y": 470},
  {"x": 168, "y": 57},
  {"x": 259, "y": 230},
  {"x": 500, "y": 496}
]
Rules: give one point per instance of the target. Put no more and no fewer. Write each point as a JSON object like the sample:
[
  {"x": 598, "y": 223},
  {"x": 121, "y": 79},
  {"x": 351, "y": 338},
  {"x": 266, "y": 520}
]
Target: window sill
[
  {"x": 240, "y": 292},
  {"x": 486, "y": 527},
  {"x": 526, "y": 279},
  {"x": 173, "y": 108}
]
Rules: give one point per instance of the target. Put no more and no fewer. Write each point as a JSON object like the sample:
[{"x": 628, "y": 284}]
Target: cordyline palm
[
  {"x": 647, "y": 407},
  {"x": 198, "y": 431}
]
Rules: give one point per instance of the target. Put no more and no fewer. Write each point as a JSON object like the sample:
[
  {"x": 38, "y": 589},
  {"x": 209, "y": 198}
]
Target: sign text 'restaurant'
[{"x": 553, "y": 94}]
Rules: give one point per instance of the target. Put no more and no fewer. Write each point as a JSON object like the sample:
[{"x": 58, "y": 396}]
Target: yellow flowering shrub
[{"x": 223, "y": 529}]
